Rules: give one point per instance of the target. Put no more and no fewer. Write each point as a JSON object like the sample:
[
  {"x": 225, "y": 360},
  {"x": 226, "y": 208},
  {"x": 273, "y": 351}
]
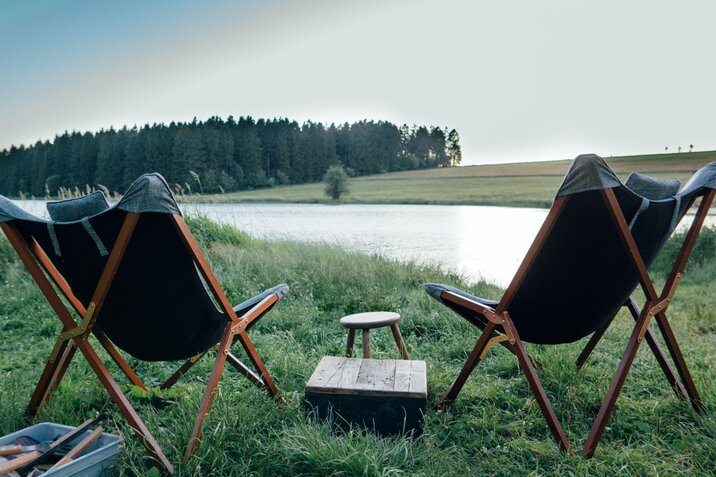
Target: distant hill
[
  {"x": 528, "y": 184},
  {"x": 683, "y": 162}
]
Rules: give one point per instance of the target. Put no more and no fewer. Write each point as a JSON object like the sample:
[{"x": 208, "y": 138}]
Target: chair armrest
[
  {"x": 484, "y": 310},
  {"x": 256, "y": 312}
]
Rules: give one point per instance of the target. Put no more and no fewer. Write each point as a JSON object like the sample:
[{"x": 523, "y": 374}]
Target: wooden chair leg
[
  {"x": 680, "y": 362},
  {"x": 467, "y": 368},
  {"x": 616, "y": 385},
  {"x": 49, "y": 379},
  {"x": 110, "y": 385},
  {"x": 214, "y": 377},
  {"x": 65, "y": 362},
  {"x": 366, "y": 343},
  {"x": 659, "y": 354},
  {"x": 125, "y": 408},
  {"x": 66, "y": 358},
  {"x": 258, "y": 363},
  {"x": 244, "y": 370},
  {"x": 399, "y": 341},
  {"x": 230, "y": 358},
  {"x": 183, "y": 369},
  {"x": 349, "y": 342},
  {"x": 118, "y": 358},
  {"x": 674, "y": 382},
  {"x": 542, "y": 400},
  {"x": 58, "y": 370},
  {"x": 653, "y": 345},
  {"x": 223, "y": 355},
  {"x": 596, "y": 336}
]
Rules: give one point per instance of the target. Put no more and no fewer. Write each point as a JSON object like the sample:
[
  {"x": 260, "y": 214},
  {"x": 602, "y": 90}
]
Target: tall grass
[
  {"x": 701, "y": 262},
  {"x": 494, "y": 428}
]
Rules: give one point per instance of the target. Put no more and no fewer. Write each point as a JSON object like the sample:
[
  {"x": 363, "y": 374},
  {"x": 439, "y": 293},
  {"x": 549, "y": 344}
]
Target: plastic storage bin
[{"x": 97, "y": 457}]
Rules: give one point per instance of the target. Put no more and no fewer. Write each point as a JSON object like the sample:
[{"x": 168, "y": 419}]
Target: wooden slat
[
  {"x": 410, "y": 377},
  {"x": 334, "y": 372},
  {"x": 376, "y": 375},
  {"x": 369, "y": 377}
]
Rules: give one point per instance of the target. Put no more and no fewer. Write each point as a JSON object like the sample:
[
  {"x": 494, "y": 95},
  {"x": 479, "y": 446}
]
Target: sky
[{"x": 519, "y": 80}]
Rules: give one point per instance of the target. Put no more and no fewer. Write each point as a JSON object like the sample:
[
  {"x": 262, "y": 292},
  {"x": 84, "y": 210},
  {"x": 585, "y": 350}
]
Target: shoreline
[{"x": 210, "y": 199}]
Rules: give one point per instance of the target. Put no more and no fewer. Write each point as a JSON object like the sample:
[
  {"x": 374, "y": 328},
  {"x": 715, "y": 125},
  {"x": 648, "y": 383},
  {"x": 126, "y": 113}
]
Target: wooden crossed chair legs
[
  {"x": 75, "y": 335},
  {"x": 498, "y": 327},
  {"x": 655, "y": 308}
]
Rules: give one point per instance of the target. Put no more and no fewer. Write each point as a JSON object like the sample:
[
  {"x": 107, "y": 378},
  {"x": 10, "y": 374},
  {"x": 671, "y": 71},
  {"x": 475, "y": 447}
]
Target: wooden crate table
[{"x": 386, "y": 395}]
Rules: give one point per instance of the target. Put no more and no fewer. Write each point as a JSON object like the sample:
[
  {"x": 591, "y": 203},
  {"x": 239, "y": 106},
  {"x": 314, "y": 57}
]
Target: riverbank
[
  {"x": 516, "y": 185},
  {"x": 494, "y": 428}
]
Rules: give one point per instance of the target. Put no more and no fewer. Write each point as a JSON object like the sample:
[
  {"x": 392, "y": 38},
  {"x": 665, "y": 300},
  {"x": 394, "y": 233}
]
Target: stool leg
[
  {"x": 399, "y": 341},
  {"x": 349, "y": 343},
  {"x": 366, "y": 343}
]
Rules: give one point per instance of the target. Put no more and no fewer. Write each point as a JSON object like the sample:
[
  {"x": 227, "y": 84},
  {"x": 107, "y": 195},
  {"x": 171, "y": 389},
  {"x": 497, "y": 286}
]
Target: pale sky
[{"x": 519, "y": 80}]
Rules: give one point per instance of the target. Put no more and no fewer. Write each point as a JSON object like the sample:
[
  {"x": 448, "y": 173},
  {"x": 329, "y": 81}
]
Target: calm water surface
[{"x": 481, "y": 242}]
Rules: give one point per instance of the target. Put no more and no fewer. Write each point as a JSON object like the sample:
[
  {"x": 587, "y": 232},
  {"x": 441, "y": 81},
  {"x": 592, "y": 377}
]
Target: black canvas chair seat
[
  {"x": 138, "y": 280},
  {"x": 157, "y": 308},
  {"x": 588, "y": 258},
  {"x": 583, "y": 257}
]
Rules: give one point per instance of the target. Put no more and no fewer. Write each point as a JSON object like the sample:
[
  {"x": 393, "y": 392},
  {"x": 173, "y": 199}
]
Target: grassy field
[
  {"x": 494, "y": 428},
  {"x": 521, "y": 184}
]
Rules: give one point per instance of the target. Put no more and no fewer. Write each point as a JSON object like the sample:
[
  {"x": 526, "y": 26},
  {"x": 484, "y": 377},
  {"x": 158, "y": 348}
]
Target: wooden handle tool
[
  {"x": 66, "y": 439},
  {"x": 12, "y": 450},
  {"x": 18, "y": 462},
  {"x": 79, "y": 448}
]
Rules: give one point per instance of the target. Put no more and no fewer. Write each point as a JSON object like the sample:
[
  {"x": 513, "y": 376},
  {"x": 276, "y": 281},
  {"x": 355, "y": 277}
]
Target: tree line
[{"x": 218, "y": 155}]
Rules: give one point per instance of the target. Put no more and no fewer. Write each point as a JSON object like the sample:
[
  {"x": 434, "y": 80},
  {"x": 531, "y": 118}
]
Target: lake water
[{"x": 481, "y": 242}]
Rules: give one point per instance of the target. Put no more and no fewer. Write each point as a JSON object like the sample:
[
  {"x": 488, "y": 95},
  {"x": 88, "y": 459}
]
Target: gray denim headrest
[
  {"x": 651, "y": 187},
  {"x": 70, "y": 210}
]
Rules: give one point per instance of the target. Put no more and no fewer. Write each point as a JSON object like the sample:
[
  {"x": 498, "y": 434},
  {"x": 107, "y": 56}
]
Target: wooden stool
[{"x": 366, "y": 321}]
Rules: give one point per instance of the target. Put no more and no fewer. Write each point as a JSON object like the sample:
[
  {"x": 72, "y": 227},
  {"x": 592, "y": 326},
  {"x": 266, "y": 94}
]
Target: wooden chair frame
[
  {"x": 75, "y": 334},
  {"x": 655, "y": 308},
  {"x": 499, "y": 328}
]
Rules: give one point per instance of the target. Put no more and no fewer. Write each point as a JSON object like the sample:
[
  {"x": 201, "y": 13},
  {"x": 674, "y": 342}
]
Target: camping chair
[
  {"x": 588, "y": 257},
  {"x": 138, "y": 281}
]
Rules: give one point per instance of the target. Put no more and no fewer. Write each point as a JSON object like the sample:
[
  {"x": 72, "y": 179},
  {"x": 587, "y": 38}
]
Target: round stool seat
[{"x": 369, "y": 320}]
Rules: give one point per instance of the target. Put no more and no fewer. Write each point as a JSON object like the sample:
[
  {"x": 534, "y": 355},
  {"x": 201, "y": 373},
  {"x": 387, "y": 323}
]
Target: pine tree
[
  {"x": 222, "y": 155},
  {"x": 453, "y": 148},
  {"x": 247, "y": 152}
]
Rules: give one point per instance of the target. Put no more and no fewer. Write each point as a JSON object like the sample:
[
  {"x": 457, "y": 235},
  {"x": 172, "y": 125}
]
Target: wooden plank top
[{"x": 369, "y": 377}]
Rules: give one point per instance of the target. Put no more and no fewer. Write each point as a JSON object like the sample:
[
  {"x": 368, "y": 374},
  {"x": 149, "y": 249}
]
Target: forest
[{"x": 221, "y": 155}]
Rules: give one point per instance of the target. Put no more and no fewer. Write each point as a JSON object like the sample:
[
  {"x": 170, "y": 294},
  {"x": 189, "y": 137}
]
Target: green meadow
[
  {"x": 494, "y": 428},
  {"x": 518, "y": 184}
]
